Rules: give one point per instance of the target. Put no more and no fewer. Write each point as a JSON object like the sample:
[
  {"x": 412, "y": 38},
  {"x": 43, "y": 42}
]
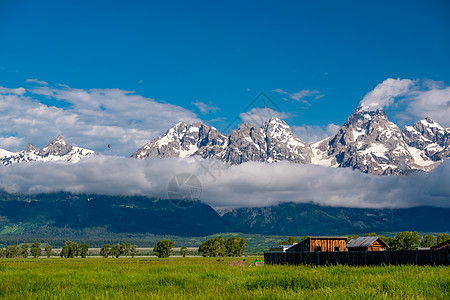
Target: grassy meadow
[{"x": 207, "y": 278}]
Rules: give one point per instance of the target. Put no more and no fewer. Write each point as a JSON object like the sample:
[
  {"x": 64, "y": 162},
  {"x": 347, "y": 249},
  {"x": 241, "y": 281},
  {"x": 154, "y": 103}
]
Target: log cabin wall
[
  {"x": 327, "y": 245},
  {"x": 376, "y": 246}
]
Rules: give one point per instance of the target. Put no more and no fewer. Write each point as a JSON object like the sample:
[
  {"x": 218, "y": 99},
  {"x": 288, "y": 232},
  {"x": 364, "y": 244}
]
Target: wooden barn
[
  {"x": 320, "y": 244},
  {"x": 368, "y": 243},
  {"x": 444, "y": 246}
]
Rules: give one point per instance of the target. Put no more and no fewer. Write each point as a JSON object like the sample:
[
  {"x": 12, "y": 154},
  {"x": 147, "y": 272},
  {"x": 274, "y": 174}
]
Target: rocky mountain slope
[
  {"x": 271, "y": 142},
  {"x": 58, "y": 149},
  {"x": 368, "y": 141}
]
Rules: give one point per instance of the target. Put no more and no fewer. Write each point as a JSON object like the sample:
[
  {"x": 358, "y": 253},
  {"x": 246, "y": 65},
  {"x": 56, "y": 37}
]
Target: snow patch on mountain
[{"x": 56, "y": 150}]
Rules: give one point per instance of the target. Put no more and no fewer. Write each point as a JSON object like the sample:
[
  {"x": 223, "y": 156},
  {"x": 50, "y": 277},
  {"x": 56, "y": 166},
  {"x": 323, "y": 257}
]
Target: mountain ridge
[
  {"x": 368, "y": 141},
  {"x": 66, "y": 212},
  {"x": 57, "y": 150}
]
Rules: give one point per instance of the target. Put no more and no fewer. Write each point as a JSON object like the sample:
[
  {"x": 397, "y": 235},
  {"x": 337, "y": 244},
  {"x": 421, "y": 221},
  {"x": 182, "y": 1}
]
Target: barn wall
[{"x": 327, "y": 245}]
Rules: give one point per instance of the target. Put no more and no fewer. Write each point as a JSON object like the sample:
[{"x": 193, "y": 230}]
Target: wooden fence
[{"x": 363, "y": 258}]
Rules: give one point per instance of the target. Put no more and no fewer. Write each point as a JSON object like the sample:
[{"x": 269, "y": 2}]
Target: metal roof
[{"x": 365, "y": 241}]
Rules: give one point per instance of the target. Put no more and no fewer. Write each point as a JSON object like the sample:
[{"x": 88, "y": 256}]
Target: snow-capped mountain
[
  {"x": 184, "y": 140},
  {"x": 272, "y": 142},
  {"x": 58, "y": 149},
  {"x": 429, "y": 137},
  {"x": 368, "y": 141}
]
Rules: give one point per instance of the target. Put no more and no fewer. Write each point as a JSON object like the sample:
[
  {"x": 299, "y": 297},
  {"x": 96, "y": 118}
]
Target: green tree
[
  {"x": 351, "y": 237},
  {"x": 24, "y": 248},
  {"x": 12, "y": 251},
  {"x": 406, "y": 240},
  {"x": 2, "y": 252},
  {"x": 389, "y": 241},
  {"x": 48, "y": 250},
  {"x": 133, "y": 250},
  {"x": 184, "y": 250},
  {"x": 104, "y": 251},
  {"x": 290, "y": 241},
  {"x": 235, "y": 246},
  {"x": 213, "y": 247},
  {"x": 427, "y": 241},
  {"x": 83, "y": 250},
  {"x": 69, "y": 250},
  {"x": 163, "y": 248},
  {"x": 126, "y": 247},
  {"x": 371, "y": 234},
  {"x": 442, "y": 237},
  {"x": 116, "y": 250},
  {"x": 36, "y": 249},
  {"x": 64, "y": 252}
]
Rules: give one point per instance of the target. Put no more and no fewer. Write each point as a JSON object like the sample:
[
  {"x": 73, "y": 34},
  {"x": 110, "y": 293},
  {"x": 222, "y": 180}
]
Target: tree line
[
  {"x": 405, "y": 240},
  {"x": 117, "y": 250},
  {"x": 214, "y": 247},
  {"x": 24, "y": 250}
]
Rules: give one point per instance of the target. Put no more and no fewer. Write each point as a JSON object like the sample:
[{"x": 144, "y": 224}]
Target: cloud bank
[
  {"x": 250, "y": 184},
  {"x": 88, "y": 118},
  {"x": 385, "y": 93}
]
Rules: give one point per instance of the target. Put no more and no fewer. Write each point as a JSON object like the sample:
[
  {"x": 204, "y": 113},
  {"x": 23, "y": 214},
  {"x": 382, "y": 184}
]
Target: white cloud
[
  {"x": 205, "y": 108},
  {"x": 385, "y": 93},
  {"x": 17, "y": 91},
  {"x": 313, "y": 133},
  {"x": 279, "y": 91},
  {"x": 258, "y": 115},
  {"x": 252, "y": 184},
  {"x": 301, "y": 96},
  {"x": 40, "y": 82},
  {"x": 11, "y": 142},
  {"x": 91, "y": 118},
  {"x": 433, "y": 101}
]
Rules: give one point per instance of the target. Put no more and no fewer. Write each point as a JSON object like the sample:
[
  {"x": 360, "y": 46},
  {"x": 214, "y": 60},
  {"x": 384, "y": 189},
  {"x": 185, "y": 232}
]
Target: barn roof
[
  {"x": 441, "y": 245},
  {"x": 365, "y": 241}
]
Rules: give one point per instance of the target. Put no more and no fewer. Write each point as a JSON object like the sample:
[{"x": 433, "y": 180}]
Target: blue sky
[{"x": 209, "y": 59}]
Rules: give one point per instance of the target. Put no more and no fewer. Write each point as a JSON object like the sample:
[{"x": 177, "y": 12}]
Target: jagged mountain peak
[
  {"x": 59, "y": 139},
  {"x": 30, "y": 148},
  {"x": 58, "y": 147}
]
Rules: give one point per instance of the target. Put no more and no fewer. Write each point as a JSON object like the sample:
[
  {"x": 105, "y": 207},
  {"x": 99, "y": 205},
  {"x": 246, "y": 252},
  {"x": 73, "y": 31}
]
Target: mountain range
[
  {"x": 368, "y": 141},
  {"x": 56, "y": 150}
]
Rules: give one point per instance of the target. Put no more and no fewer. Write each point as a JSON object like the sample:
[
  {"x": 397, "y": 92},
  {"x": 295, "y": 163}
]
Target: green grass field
[{"x": 206, "y": 278}]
